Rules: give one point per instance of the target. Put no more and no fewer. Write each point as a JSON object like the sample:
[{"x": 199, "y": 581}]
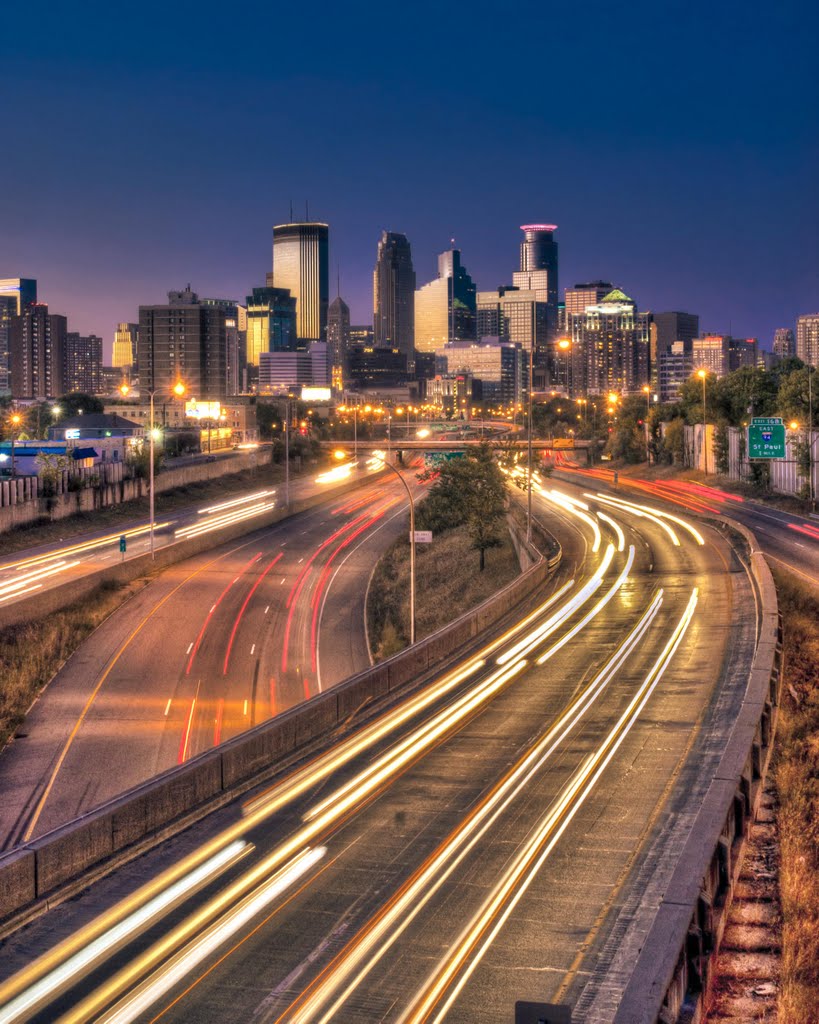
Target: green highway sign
[
  {"x": 438, "y": 458},
  {"x": 123, "y": 543},
  {"x": 766, "y": 438}
]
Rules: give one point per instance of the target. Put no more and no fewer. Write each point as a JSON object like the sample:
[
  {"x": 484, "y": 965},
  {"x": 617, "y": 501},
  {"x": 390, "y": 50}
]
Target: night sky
[{"x": 675, "y": 144}]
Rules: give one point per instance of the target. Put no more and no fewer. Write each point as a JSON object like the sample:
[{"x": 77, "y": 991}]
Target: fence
[
  {"x": 785, "y": 478},
  {"x": 87, "y": 488}
]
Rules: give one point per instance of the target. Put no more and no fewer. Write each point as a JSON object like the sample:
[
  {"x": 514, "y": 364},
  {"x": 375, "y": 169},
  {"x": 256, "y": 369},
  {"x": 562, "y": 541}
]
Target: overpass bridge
[{"x": 463, "y": 444}]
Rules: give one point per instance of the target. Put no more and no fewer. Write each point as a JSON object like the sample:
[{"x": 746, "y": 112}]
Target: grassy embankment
[
  {"x": 448, "y": 584},
  {"x": 797, "y": 782},
  {"x": 31, "y": 654}
]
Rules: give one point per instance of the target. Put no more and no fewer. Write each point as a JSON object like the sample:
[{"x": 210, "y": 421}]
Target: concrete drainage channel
[{"x": 48, "y": 870}]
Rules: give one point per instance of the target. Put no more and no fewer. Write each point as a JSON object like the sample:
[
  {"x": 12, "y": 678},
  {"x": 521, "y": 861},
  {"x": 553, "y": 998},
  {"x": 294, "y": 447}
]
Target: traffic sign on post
[
  {"x": 766, "y": 438},
  {"x": 123, "y": 543}
]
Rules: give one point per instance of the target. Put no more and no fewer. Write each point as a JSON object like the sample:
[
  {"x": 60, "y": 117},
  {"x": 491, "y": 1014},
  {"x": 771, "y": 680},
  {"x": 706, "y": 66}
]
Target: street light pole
[
  {"x": 15, "y": 423},
  {"x": 412, "y": 549},
  {"x": 529, "y": 453},
  {"x": 151, "y": 470},
  {"x": 287, "y": 451},
  {"x": 702, "y": 375},
  {"x": 647, "y": 391}
]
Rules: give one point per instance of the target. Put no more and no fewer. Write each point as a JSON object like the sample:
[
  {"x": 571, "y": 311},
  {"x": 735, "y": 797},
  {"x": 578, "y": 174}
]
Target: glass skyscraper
[
  {"x": 394, "y": 295},
  {"x": 445, "y": 308},
  {"x": 300, "y": 265}
]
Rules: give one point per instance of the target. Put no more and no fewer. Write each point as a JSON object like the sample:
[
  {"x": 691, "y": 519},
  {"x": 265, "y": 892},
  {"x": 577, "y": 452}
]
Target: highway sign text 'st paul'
[{"x": 766, "y": 438}]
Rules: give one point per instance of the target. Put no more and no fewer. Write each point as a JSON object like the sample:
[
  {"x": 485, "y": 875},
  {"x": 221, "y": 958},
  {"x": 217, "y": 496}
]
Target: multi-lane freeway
[
  {"x": 494, "y": 835},
  {"x": 790, "y": 541},
  {"x": 211, "y": 647},
  {"x": 32, "y": 571}
]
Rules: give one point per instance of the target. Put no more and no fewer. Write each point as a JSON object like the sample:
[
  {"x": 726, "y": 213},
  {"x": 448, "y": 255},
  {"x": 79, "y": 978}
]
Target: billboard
[
  {"x": 315, "y": 394},
  {"x": 198, "y": 410}
]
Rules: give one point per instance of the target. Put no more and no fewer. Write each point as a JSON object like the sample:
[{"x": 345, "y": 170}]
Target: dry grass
[
  {"x": 448, "y": 584},
  {"x": 31, "y": 654},
  {"x": 797, "y": 781}
]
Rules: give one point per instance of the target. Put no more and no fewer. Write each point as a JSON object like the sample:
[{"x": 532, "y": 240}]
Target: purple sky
[{"x": 674, "y": 145}]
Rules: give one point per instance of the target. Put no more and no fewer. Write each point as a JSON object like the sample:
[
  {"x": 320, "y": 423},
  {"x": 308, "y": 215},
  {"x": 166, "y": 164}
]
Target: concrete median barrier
[
  {"x": 17, "y": 880},
  {"x": 67, "y": 852},
  {"x": 257, "y": 750},
  {"x": 166, "y": 798}
]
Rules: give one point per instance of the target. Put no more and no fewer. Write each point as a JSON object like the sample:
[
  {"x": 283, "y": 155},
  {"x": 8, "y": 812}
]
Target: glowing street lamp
[
  {"x": 565, "y": 344},
  {"x": 16, "y": 420},
  {"x": 178, "y": 390}
]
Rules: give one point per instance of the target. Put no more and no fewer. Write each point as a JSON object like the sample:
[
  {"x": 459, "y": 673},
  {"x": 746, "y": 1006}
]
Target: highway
[
  {"x": 492, "y": 836},
  {"x": 38, "y": 568},
  {"x": 789, "y": 541},
  {"x": 210, "y": 647}
]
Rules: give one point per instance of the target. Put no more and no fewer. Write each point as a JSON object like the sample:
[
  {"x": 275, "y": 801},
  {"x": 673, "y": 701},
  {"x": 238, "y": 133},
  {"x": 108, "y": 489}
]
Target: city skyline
[{"x": 671, "y": 190}]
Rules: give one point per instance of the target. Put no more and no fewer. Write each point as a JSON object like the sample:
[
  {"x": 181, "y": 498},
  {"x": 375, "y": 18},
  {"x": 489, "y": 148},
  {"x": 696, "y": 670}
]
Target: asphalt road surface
[
  {"x": 495, "y": 835},
  {"x": 212, "y": 646},
  {"x": 36, "y": 569},
  {"x": 788, "y": 540}
]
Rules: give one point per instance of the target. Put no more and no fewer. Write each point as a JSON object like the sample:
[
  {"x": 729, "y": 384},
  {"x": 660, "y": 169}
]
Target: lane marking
[{"x": 168, "y": 706}]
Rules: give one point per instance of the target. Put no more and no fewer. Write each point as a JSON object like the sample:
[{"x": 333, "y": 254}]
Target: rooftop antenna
[
  {"x": 338, "y": 281},
  {"x": 291, "y": 211}
]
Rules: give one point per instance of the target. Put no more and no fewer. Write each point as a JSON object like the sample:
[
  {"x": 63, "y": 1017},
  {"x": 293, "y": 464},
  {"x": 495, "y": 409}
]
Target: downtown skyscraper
[
  {"x": 538, "y": 270},
  {"x": 445, "y": 308},
  {"x": 394, "y": 296},
  {"x": 37, "y": 352},
  {"x": 301, "y": 265}
]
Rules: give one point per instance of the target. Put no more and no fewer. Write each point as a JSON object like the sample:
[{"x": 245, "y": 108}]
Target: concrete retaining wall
[
  {"x": 31, "y": 876},
  {"x": 672, "y": 978},
  {"x": 21, "y": 499}
]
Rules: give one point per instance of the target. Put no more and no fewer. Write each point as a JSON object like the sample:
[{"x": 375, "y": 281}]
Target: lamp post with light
[
  {"x": 703, "y": 374},
  {"x": 565, "y": 344},
  {"x": 647, "y": 393},
  {"x": 178, "y": 390},
  {"x": 16, "y": 419}
]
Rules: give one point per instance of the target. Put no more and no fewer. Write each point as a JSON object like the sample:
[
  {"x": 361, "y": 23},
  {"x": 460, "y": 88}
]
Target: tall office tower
[
  {"x": 499, "y": 367},
  {"x": 15, "y": 294},
  {"x": 742, "y": 352},
  {"x": 671, "y": 327},
  {"x": 711, "y": 353},
  {"x": 36, "y": 352},
  {"x": 807, "y": 338},
  {"x": 82, "y": 364},
  {"x": 125, "y": 346},
  {"x": 445, "y": 308},
  {"x": 610, "y": 347},
  {"x": 513, "y": 315},
  {"x": 300, "y": 264},
  {"x": 338, "y": 339},
  {"x": 272, "y": 316},
  {"x": 577, "y": 299},
  {"x": 674, "y": 367},
  {"x": 183, "y": 340},
  {"x": 538, "y": 269},
  {"x": 784, "y": 344},
  {"x": 235, "y": 341},
  {"x": 362, "y": 334},
  {"x": 666, "y": 329},
  {"x": 394, "y": 295},
  {"x": 8, "y": 309}
]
